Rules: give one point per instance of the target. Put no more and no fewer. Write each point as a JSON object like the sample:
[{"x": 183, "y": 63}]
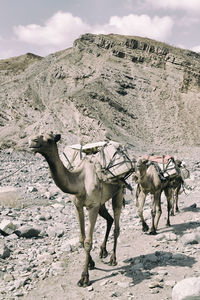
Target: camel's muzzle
[{"x": 34, "y": 146}]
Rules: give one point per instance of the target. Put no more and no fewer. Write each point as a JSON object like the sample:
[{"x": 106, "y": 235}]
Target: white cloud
[
  {"x": 187, "y": 5},
  {"x": 143, "y": 25},
  {"x": 62, "y": 29}
]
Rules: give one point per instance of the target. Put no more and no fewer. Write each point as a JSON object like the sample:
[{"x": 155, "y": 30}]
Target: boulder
[
  {"x": 4, "y": 250},
  {"x": 7, "y": 227},
  {"x": 187, "y": 289},
  {"x": 27, "y": 231},
  {"x": 9, "y": 196},
  {"x": 191, "y": 238}
]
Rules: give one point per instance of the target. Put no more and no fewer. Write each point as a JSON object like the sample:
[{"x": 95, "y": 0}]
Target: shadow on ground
[{"x": 141, "y": 267}]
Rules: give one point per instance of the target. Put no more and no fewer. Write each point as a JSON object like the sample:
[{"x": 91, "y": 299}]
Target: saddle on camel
[
  {"x": 112, "y": 160},
  {"x": 166, "y": 165}
]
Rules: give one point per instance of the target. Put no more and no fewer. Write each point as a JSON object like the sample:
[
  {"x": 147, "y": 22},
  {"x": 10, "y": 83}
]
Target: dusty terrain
[{"x": 49, "y": 266}]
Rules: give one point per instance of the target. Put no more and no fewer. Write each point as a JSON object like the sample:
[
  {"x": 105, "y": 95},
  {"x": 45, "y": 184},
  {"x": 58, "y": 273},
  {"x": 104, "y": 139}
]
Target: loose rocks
[{"x": 188, "y": 288}]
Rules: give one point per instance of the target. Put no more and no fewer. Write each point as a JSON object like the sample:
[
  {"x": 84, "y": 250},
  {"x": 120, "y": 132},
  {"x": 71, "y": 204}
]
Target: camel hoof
[
  {"x": 84, "y": 281},
  {"x": 80, "y": 283},
  {"x": 152, "y": 232},
  {"x": 112, "y": 263},
  {"x": 103, "y": 253},
  {"x": 145, "y": 228}
]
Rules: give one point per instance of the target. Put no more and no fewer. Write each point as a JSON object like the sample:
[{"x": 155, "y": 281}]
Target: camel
[
  {"x": 88, "y": 192},
  {"x": 178, "y": 183},
  {"x": 149, "y": 182}
]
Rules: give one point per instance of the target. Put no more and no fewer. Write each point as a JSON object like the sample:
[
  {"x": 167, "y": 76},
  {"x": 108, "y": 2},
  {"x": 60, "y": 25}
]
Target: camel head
[
  {"x": 141, "y": 167},
  {"x": 43, "y": 144},
  {"x": 178, "y": 163},
  {"x": 142, "y": 163}
]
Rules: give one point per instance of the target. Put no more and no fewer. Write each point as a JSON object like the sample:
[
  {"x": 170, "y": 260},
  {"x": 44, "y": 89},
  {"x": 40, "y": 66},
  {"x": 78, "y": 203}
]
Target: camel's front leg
[
  {"x": 137, "y": 195},
  {"x": 140, "y": 200},
  {"x": 81, "y": 221},
  {"x": 156, "y": 203},
  {"x": 105, "y": 214},
  {"x": 89, "y": 263},
  {"x": 117, "y": 202}
]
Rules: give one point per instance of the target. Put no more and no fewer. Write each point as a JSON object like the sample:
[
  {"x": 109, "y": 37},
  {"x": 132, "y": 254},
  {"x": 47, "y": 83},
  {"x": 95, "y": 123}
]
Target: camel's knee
[
  {"x": 153, "y": 213},
  {"x": 81, "y": 240},
  {"x": 159, "y": 211},
  {"x": 87, "y": 245},
  {"x": 140, "y": 213}
]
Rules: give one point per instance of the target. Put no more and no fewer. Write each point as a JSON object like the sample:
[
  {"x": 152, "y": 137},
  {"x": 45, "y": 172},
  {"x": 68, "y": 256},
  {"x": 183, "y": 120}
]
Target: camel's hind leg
[
  {"x": 173, "y": 200},
  {"x": 117, "y": 202},
  {"x": 140, "y": 200},
  {"x": 169, "y": 193},
  {"x": 89, "y": 263},
  {"x": 103, "y": 212},
  {"x": 156, "y": 204},
  {"x": 176, "y": 196}
]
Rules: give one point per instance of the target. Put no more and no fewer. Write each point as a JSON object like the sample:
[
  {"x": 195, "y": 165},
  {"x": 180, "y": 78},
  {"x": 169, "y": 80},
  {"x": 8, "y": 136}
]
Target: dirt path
[{"x": 148, "y": 266}]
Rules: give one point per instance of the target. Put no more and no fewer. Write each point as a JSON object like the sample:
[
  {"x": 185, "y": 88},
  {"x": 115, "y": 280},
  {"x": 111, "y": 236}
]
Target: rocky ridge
[{"x": 129, "y": 89}]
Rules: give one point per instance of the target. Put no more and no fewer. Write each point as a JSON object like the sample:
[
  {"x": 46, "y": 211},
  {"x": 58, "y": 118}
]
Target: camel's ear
[{"x": 57, "y": 137}]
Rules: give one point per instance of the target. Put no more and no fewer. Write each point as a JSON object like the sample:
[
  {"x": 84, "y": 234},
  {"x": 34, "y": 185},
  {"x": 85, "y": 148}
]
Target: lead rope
[{"x": 25, "y": 165}]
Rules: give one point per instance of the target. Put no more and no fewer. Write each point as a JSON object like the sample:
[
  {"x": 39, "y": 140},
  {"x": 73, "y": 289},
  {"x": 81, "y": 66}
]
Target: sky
[{"x": 46, "y": 26}]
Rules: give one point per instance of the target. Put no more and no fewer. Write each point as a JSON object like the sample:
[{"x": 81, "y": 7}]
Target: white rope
[{"x": 15, "y": 171}]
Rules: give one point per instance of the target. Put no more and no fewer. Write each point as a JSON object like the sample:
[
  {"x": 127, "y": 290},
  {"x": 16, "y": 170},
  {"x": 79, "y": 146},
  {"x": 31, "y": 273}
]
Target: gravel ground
[{"x": 40, "y": 257}]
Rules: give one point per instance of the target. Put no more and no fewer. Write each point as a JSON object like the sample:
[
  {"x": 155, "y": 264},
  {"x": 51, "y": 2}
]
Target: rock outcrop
[{"x": 125, "y": 88}]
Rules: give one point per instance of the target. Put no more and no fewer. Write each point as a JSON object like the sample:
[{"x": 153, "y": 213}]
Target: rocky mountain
[{"x": 129, "y": 89}]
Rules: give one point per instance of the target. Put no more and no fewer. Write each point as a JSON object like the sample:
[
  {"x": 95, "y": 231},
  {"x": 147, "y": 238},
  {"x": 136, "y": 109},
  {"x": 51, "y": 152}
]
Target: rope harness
[
  {"x": 166, "y": 170},
  {"x": 112, "y": 164},
  {"x": 109, "y": 165}
]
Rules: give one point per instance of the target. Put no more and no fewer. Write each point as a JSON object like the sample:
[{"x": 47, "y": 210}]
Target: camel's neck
[
  {"x": 67, "y": 181},
  {"x": 149, "y": 178},
  {"x": 142, "y": 172}
]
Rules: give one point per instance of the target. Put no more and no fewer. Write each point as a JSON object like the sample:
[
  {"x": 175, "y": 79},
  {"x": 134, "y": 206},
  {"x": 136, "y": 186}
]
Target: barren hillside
[{"x": 126, "y": 88}]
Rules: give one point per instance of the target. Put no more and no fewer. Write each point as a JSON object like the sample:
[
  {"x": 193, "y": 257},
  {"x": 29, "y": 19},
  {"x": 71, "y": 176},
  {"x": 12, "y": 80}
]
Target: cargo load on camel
[
  {"x": 111, "y": 159},
  {"x": 165, "y": 165}
]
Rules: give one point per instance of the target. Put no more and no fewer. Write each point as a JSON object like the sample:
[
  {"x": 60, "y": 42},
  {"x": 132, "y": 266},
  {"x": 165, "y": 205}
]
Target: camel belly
[{"x": 101, "y": 195}]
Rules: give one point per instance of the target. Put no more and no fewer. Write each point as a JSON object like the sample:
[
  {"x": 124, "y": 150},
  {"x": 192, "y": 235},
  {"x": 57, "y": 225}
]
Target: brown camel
[
  {"x": 177, "y": 183},
  {"x": 149, "y": 182},
  {"x": 89, "y": 192},
  {"x": 175, "y": 193}
]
